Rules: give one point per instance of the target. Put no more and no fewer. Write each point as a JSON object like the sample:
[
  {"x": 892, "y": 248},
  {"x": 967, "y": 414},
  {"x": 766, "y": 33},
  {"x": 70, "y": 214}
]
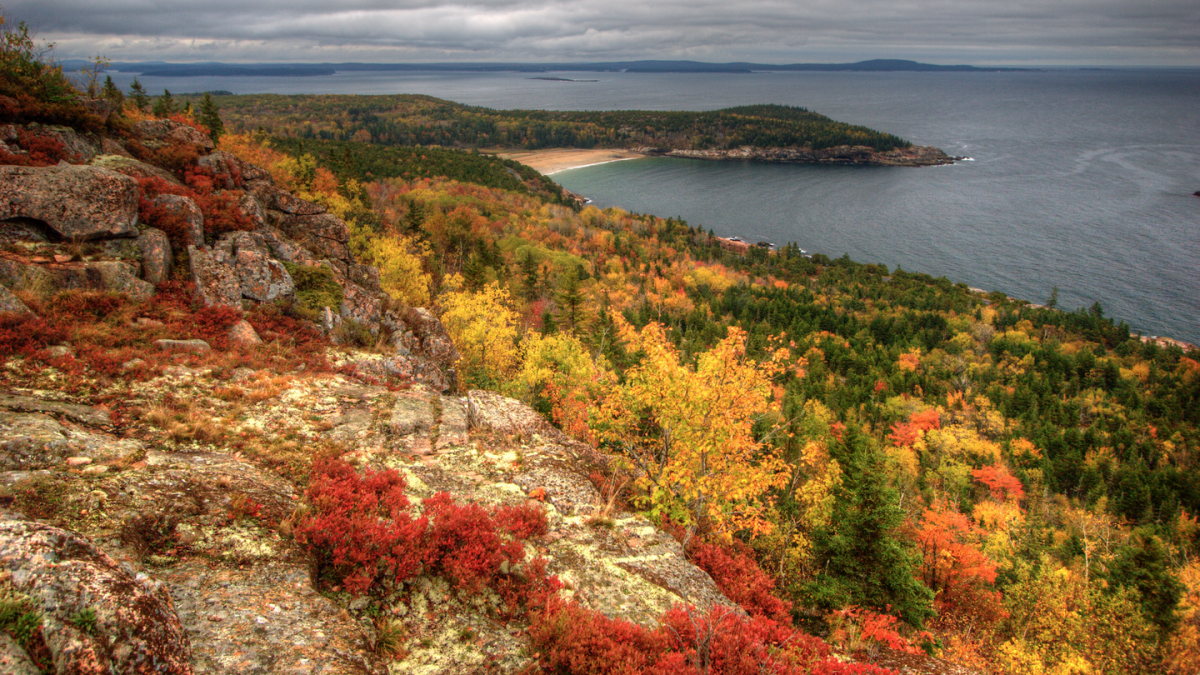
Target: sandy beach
[{"x": 553, "y": 161}]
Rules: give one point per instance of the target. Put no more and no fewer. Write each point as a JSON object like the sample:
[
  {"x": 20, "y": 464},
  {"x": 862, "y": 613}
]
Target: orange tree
[{"x": 687, "y": 432}]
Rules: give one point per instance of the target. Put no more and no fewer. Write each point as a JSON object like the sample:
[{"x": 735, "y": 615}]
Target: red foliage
[
  {"x": 741, "y": 579},
  {"x": 464, "y": 543},
  {"x": 25, "y": 334},
  {"x": 41, "y": 150},
  {"x": 1002, "y": 484},
  {"x": 907, "y": 433},
  {"x": 523, "y": 522},
  {"x": 572, "y": 640},
  {"x": 361, "y": 528},
  {"x": 222, "y": 209},
  {"x": 174, "y": 157}
]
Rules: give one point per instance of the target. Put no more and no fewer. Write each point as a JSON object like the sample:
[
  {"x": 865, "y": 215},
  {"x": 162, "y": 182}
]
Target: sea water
[{"x": 1077, "y": 179}]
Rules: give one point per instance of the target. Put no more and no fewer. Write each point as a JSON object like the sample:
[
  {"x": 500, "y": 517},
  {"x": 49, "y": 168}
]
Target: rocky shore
[{"x": 856, "y": 155}]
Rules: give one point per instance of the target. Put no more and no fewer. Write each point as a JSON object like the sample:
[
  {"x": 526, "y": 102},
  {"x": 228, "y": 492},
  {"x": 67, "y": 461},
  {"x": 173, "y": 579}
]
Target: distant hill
[{"x": 160, "y": 69}]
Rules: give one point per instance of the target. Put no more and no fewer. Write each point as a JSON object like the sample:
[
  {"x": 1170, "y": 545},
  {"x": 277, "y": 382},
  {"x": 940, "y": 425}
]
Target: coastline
[{"x": 549, "y": 162}]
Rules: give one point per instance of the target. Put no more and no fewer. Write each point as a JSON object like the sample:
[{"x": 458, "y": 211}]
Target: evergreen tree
[
  {"x": 415, "y": 217},
  {"x": 1143, "y": 566},
  {"x": 210, "y": 117},
  {"x": 137, "y": 95},
  {"x": 863, "y": 559},
  {"x": 164, "y": 106},
  {"x": 111, "y": 94},
  {"x": 529, "y": 272},
  {"x": 570, "y": 297}
]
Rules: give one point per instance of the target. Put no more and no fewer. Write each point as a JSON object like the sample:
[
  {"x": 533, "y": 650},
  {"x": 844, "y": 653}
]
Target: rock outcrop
[{"x": 79, "y": 203}]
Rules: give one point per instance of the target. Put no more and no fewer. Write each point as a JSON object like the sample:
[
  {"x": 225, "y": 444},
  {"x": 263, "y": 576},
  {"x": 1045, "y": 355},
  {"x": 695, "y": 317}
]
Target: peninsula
[{"x": 771, "y": 133}]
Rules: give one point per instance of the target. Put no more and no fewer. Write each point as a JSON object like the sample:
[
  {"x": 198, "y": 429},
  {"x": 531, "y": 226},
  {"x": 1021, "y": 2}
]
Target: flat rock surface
[{"x": 78, "y": 202}]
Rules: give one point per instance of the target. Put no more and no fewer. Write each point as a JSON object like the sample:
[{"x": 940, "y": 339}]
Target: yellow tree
[
  {"x": 688, "y": 432},
  {"x": 483, "y": 326},
  {"x": 401, "y": 270}
]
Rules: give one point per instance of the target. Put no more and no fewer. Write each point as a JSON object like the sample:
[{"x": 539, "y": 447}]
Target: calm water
[{"x": 1079, "y": 179}]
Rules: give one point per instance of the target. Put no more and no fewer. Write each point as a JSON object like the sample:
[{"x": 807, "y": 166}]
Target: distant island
[
  {"x": 559, "y": 79},
  {"x": 217, "y": 69}
]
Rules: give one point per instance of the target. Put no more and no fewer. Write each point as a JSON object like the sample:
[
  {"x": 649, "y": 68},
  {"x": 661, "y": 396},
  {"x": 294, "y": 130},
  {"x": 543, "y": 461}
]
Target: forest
[
  {"x": 1011, "y": 487},
  {"x": 415, "y": 120}
]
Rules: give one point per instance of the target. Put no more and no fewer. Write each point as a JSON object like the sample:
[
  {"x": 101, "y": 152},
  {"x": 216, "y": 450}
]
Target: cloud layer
[{"x": 980, "y": 32}]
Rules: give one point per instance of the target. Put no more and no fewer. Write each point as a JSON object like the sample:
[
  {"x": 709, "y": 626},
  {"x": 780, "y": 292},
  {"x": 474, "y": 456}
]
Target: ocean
[{"x": 1077, "y": 179}]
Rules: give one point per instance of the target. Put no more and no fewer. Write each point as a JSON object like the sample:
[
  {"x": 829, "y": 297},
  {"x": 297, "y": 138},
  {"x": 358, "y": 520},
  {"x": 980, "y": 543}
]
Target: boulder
[
  {"x": 242, "y": 334},
  {"x": 167, "y": 132},
  {"x": 324, "y": 234},
  {"x": 82, "y": 146},
  {"x": 10, "y": 303},
  {"x": 77, "y": 202},
  {"x": 259, "y": 276},
  {"x": 118, "y": 277},
  {"x": 135, "y": 628},
  {"x": 157, "y": 256},
  {"x": 435, "y": 342},
  {"x": 277, "y": 199},
  {"x": 133, "y": 168},
  {"x": 231, "y": 171},
  {"x": 195, "y": 346},
  {"x": 250, "y": 208},
  {"x": 185, "y": 208},
  {"x": 361, "y": 305},
  {"x": 216, "y": 279}
]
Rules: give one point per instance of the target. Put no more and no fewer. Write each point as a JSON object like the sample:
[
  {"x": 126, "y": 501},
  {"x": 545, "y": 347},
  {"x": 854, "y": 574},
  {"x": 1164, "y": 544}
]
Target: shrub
[
  {"x": 361, "y": 528},
  {"x": 523, "y": 522},
  {"x": 41, "y": 150},
  {"x": 465, "y": 544},
  {"x": 316, "y": 287},
  {"x": 33, "y": 89},
  {"x": 741, "y": 579}
]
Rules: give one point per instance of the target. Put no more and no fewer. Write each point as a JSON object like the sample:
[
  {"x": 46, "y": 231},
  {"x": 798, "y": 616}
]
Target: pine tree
[
  {"x": 137, "y": 95},
  {"x": 210, "y": 117},
  {"x": 570, "y": 298},
  {"x": 529, "y": 272},
  {"x": 164, "y": 106}
]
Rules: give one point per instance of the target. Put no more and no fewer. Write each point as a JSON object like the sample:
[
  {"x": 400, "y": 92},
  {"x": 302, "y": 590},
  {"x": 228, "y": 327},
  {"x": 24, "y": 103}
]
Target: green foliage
[
  {"x": 1143, "y": 565},
  {"x": 84, "y": 620},
  {"x": 164, "y": 106},
  {"x": 137, "y": 95},
  {"x": 369, "y": 161},
  {"x": 862, "y": 556},
  {"x": 210, "y": 117},
  {"x": 316, "y": 287}
]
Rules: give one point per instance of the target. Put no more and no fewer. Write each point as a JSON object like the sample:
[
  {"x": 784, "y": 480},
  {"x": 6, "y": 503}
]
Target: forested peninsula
[{"x": 774, "y": 133}]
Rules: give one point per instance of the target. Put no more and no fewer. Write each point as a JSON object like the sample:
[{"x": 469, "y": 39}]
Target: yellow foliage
[
  {"x": 401, "y": 272},
  {"x": 560, "y": 366},
  {"x": 483, "y": 327},
  {"x": 687, "y": 433},
  {"x": 910, "y": 360},
  {"x": 1183, "y": 649}
]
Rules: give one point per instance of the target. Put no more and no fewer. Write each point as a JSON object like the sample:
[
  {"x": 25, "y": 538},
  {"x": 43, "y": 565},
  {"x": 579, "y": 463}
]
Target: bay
[{"x": 1078, "y": 179}]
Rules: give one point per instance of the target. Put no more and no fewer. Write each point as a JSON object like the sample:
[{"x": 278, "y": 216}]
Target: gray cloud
[{"x": 1116, "y": 32}]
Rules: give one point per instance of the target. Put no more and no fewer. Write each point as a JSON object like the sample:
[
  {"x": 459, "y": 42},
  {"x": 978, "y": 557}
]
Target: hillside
[{"x": 269, "y": 407}]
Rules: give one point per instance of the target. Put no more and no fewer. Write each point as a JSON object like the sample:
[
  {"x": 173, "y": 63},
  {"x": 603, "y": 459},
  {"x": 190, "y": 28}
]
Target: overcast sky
[{"x": 977, "y": 32}]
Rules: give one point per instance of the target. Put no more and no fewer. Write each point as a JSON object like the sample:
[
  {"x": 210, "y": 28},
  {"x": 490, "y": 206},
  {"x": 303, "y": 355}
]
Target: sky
[{"x": 975, "y": 32}]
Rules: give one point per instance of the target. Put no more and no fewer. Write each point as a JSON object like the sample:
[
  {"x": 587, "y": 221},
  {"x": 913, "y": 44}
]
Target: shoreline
[{"x": 549, "y": 162}]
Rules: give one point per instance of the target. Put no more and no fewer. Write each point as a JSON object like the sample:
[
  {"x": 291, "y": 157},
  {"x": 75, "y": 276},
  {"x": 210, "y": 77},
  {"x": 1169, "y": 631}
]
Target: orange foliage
[{"x": 1003, "y": 485}]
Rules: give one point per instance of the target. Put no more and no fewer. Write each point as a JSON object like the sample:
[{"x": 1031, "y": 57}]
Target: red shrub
[
  {"x": 577, "y": 641},
  {"x": 464, "y": 543},
  {"x": 361, "y": 527},
  {"x": 731, "y": 645},
  {"x": 174, "y": 157},
  {"x": 212, "y": 324},
  {"x": 42, "y": 149},
  {"x": 25, "y": 334},
  {"x": 523, "y": 522},
  {"x": 741, "y": 579}
]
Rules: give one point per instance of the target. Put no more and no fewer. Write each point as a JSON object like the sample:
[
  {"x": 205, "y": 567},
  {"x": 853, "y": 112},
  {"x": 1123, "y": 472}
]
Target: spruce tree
[
  {"x": 164, "y": 106},
  {"x": 111, "y": 94},
  {"x": 210, "y": 118},
  {"x": 862, "y": 556},
  {"x": 137, "y": 95}
]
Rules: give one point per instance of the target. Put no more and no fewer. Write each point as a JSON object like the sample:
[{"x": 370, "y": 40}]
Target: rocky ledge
[{"x": 850, "y": 155}]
